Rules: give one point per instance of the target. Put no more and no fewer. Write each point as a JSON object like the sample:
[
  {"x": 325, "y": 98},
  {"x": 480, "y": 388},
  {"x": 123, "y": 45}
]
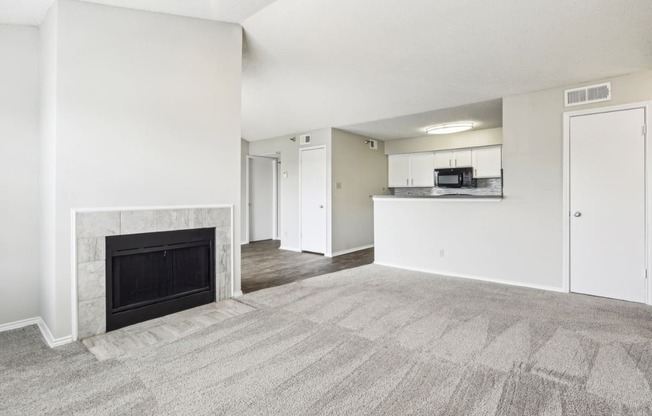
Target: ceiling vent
[
  {"x": 305, "y": 139},
  {"x": 588, "y": 94}
]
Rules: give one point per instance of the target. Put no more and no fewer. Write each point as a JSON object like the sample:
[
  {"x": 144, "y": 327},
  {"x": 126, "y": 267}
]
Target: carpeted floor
[{"x": 371, "y": 340}]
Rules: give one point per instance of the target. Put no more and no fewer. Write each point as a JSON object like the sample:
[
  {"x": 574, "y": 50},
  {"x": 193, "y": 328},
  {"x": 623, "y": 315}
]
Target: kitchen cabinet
[
  {"x": 408, "y": 170},
  {"x": 422, "y": 169},
  {"x": 398, "y": 170},
  {"x": 453, "y": 159},
  {"x": 487, "y": 162},
  {"x": 443, "y": 159}
]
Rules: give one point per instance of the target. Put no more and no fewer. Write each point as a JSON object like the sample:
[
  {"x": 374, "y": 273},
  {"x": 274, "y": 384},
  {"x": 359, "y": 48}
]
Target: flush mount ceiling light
[{"x": 449, "y": 128}]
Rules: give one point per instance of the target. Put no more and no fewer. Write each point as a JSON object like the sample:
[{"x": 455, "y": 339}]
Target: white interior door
[
  {"x": 313, "y": 200},
  {"x": 607, "y": 204},
  {"x": 261, "y": 198}
]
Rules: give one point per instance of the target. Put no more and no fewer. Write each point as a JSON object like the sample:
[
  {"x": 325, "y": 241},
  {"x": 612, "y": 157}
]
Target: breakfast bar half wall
[{"x": 482, "y": 238}]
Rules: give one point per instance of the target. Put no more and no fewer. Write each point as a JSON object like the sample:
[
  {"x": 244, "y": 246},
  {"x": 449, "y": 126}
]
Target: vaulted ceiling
[
  {"x": 32, "y": 12},
  {"x": 309, "y": 64},
  {"x": 320, "y": 63}
]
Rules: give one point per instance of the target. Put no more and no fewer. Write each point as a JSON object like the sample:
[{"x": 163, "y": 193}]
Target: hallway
[{"x": 264, "y": 265}]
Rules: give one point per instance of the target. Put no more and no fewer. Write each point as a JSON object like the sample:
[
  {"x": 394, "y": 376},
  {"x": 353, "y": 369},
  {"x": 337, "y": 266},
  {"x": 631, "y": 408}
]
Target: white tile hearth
[
  {"x": 92, "y": 228},
  {"x": 131, "y": 339}
]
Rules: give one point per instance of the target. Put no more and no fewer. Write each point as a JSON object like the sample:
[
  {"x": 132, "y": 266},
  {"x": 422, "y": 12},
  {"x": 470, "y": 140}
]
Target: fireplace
[
  {"x": 155, "y": 274},
  {"x": 92, "y": 227}
]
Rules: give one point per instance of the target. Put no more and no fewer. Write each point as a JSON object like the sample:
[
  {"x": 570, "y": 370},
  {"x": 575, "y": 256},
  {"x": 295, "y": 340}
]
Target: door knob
[
  {"x": 321, "y": 206},
  {"x": 577, "y": 214}
]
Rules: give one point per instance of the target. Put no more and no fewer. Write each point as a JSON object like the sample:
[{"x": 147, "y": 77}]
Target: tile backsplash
[{"x": 484, "y": 187}]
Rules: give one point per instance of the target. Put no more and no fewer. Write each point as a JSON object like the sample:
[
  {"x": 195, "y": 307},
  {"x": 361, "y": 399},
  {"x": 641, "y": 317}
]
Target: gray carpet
[{"x": 365, "y": 341}]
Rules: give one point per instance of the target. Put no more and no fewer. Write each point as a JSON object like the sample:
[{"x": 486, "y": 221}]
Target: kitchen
[{"x": 522, "y": 235}]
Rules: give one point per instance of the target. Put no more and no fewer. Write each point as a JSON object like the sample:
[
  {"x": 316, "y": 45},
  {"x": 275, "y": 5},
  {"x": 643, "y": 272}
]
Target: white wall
[
  {"x": 147, "y": 114},
  {"x": 360, "y": 172},
  {"x": 47, "y": 149},
  {"x": 290, "y": 226},
  {"x": 19, "y": 167},
  {"x": 517, "y": 240},
  {"x": 473, "y": 138}
]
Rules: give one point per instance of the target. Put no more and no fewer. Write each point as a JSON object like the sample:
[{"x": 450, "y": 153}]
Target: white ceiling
[
  {"x": 344, "y": 63},
  {"x": 334, "y": 63},
  {"x": 32, "y": 12},
  {"x": 484, "y": 115}
]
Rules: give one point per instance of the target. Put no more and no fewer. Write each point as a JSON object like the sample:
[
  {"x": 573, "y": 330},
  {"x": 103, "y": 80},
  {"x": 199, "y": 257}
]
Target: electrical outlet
[{"x": 441, "y": 252}]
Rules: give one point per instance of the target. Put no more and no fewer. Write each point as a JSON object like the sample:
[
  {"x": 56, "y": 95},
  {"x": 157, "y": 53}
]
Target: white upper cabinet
[
  {"x": 453, "y": 159},
  {"x": 416, "y": 169},
  {"x": 487, "y": 162},
  {"x": 462, "y": 158},
  {"x": 443, "y": 160},
  {"x": 398, "y": 169},
  {"x": 422, "y": 169}
]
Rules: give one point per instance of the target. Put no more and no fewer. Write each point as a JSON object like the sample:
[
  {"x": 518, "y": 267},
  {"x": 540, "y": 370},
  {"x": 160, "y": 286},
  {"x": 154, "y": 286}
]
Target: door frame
[
  {"x": 647, "y": 107},
  {"x": 328, "y": 251},
  {"x": 275, "y": 200}
]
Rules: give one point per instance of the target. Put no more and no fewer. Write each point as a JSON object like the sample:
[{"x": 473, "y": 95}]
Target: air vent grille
[
  {"x": 305, "y": 139},
  {"x": 589, "y": 94}
]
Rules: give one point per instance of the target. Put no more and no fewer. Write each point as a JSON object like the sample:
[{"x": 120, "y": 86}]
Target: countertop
[{"x": 449, "y": 196}]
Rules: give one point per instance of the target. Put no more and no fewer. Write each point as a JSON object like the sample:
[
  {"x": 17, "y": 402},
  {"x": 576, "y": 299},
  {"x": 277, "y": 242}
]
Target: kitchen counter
[{"x": 465, "y": 197}]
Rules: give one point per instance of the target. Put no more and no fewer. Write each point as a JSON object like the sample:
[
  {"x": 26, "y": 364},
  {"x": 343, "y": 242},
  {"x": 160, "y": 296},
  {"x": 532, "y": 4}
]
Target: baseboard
[
  {"x": 47, "y": 335},
  {"x": 480, "y": 278},
  {"x": 19, "y": 324},
  {"x": 244, "y": 243},
  {"x": 237, "y": 294},
  {"x": 298, "y": 250},
  {"x": 350, "y": 250},
  {"x": 45, "y": 331}
]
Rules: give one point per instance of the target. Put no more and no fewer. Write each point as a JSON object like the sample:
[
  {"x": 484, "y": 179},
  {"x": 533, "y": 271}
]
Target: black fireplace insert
[{"x": 155, "y": 274}]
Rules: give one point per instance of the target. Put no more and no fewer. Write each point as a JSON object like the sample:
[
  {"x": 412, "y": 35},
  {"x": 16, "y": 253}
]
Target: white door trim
[
  {"x": 328, "y": 196},
  {"x": 275, "y": 200},
  {"x": 647, "y": 106},
  {"x": 245, "y": 239}
]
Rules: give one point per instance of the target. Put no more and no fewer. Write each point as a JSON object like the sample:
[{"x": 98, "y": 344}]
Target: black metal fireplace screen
[{"x": 155, "y": 274}]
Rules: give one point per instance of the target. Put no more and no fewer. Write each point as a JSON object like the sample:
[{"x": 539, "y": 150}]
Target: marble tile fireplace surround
[{"x": 93, "y": 226}]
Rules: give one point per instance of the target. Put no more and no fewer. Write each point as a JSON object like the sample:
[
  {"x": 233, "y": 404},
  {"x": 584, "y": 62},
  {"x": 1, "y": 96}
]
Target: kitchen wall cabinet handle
[
  {"x": 407, "y": 181},
  {"x": 412, "y": 181}
]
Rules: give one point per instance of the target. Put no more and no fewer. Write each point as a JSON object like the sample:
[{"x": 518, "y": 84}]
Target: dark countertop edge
[{"x": 448, "y": 197}]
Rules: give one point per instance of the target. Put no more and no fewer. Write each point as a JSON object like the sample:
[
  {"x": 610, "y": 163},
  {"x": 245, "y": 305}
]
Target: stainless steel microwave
[{"x": 454, "y": 178}]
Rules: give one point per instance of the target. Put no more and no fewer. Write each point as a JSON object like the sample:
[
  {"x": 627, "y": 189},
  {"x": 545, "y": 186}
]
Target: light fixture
[{"x": 449, "y": 128}]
